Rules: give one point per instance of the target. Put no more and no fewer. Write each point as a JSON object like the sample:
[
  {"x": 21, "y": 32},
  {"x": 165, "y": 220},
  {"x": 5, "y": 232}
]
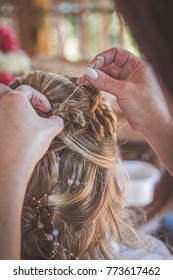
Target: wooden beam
[
  {"x": 34, "y": 25},
  {"x": 42, "y": 25}
]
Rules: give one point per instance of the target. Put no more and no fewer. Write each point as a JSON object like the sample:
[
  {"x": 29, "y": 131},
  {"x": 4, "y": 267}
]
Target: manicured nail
[
  {"x": 91, "y": 73},
  {"x": 78, "y": 81},
  {"x": 100, "y": 57}
]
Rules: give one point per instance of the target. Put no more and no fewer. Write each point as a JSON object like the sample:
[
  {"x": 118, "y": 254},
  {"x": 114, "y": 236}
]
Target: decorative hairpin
[
  {"x": 73, "y": 184},
  {"x": 76, "y": 183},
  {"x": 52, "y": 237}
]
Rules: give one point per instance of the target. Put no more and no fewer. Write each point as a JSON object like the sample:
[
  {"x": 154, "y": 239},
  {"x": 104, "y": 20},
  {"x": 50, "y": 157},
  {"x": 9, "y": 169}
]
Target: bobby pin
[
  {"x": 75, "y": 90},
  {"x": 78, "y": 87}
]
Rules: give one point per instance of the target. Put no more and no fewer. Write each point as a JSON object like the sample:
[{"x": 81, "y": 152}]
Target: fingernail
[
  {"x": 79, "y": 80},
  {"x": 91, "y": 73}
]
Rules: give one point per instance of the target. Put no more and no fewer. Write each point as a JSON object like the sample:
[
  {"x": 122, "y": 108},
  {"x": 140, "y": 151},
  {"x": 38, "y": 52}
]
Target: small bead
[
  {"x": 39, "y": 201},
  {"x": 58, "y": 158},
  {"x": 71, "y": 254},
  {"x": 33, "y": 198},
  {"x": 49, "y": 237},
  {"x": 55, "y": 232},
  {"x": 77, "y": 182},
  {"x": 53, "y": 251},
  {"x": 40, "y": 225},
  {"x": 70, "y": 182},
  {"x": 51, "y": 222},
  {"x": 65, "y": 249},
  {"x": 45, "y": 194}
]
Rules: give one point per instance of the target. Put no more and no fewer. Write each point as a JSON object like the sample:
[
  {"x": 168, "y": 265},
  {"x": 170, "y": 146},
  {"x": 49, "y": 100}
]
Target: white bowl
[{"x": 141, "y": 182}]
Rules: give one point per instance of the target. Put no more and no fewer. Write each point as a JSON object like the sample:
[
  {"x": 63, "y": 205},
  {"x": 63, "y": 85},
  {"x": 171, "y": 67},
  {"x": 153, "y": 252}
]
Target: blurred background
[
  {"x": 70, "y": 29},
  {"x": 62, "y": 36}
]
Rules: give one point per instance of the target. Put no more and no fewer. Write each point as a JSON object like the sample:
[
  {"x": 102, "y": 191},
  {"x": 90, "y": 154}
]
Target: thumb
[
  {"x": 55, "y": 125},
  {"x": 102, "y": 81}
]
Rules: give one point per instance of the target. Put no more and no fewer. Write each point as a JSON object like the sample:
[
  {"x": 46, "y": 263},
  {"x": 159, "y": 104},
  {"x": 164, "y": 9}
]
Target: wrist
[
  {"x": 14, "y": 175},
  {"x": 160, "y": 140},
  {"x": 157, "y": 125}
]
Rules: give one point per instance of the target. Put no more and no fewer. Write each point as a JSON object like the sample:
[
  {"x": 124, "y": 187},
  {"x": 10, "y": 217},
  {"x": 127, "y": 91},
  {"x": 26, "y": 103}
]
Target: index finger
[
  {"x": 116, "y": 56},
  {"x": 4, "y": 89},
  {"x": 37, "y": 99}
]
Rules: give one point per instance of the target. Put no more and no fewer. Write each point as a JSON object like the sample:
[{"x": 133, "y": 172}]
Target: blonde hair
[{"x": 88, "y": 214}]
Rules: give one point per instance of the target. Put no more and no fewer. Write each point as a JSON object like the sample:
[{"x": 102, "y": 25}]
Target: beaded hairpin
[
  {"x": 76, "y": 183},
  {"x": 52, "y": 237},
  {"x": 41, "y": 203},
  {"x": 71, "y": 183}
]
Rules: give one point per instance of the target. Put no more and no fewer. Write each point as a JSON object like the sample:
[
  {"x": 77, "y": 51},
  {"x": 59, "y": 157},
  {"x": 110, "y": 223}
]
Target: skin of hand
[
  {"x": 139, "y": 95},
  {"x": 133, "y": 83},
  {"x": 24, "y": 139},
  {"x": 24, "y": 135}
]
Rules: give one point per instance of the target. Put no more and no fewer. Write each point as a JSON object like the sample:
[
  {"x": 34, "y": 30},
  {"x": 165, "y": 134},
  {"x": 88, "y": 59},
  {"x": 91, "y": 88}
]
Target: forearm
[
  {"x": 161, "y": 141},
  {"x": 12, "y": 190},
  {"x": 10, "y": 225},
  {"x": 24, "y": 139}
]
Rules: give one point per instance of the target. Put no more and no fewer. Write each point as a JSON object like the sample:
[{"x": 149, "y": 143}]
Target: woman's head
[{"x": 73, "y": 188}]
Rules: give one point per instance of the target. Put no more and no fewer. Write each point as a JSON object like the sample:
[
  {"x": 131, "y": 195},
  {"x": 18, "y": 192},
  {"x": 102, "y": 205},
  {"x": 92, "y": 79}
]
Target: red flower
[
  {"x": 7, "y": 40},
  {"x": 6, "y": 78}
]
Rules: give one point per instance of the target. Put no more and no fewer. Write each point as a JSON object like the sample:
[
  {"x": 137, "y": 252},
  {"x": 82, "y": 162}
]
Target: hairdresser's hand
[
  {"x": 24, "y": 136},
  {"x": 138, "y": 94},
  {"x": 133, "y": 82}
]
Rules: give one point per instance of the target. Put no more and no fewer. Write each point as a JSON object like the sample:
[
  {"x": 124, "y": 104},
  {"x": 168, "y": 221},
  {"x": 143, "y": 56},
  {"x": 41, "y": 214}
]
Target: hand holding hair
[
  {"x": 23, "y": 126},
  {"x": 24, "y": 139},
  {"x": 133, "y": 82},
  {"x": 37, "y": 100},
  {"x": 139, "y": 95}
]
